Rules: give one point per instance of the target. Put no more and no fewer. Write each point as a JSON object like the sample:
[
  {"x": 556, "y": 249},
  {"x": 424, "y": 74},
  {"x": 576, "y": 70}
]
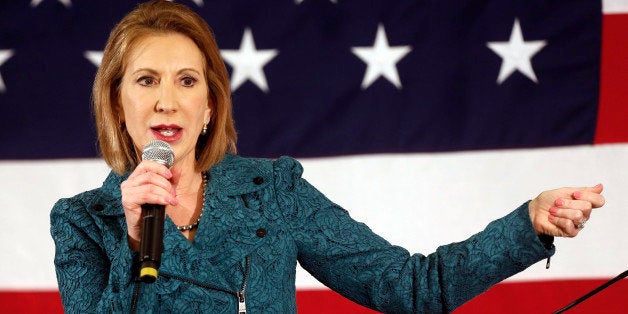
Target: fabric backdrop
[{"x": 467, "y": 108}]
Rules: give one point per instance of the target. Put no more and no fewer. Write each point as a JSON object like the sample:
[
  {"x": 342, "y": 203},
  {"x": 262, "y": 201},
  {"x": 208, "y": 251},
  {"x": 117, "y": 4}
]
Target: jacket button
[
  {"x": 261, "y": 232},
  {"x": 258, "y": 180},
  {"x": 98, "y": 207}
]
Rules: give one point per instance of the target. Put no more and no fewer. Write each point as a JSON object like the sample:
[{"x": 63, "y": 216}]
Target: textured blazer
[{"x": 260, "y": 218}]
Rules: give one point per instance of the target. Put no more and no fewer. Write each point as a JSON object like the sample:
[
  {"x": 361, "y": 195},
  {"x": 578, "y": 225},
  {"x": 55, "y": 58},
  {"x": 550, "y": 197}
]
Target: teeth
[{"x": 167, "y": 132}]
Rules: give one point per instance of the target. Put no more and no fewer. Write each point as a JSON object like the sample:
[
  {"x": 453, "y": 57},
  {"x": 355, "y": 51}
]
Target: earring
[{"x": 204, "y": 131}]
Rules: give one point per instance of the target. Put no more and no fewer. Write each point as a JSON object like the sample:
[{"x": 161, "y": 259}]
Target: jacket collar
[{"x": 235, "y": 175}]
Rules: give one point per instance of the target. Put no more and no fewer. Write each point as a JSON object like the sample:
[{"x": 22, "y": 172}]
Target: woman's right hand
[{"x": 150, "y": 183}]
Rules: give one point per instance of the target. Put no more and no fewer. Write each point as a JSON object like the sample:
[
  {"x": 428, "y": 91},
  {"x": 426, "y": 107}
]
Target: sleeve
[
  {"x": 90, "y": 278},
  {"x": 349, "y": 258}
]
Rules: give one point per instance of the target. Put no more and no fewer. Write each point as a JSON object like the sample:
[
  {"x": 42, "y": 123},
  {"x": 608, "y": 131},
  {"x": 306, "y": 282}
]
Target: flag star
[
  {"x": 66, "y": 3},
  {"x": 4, "y": 56},
  {"x": 381, "y": 59},
  {"x": 516, "y": 54},
  {"x": 197, "y": 2},
  {"x": 95, "y": 57},
  {"x": 247, "y": 62}
]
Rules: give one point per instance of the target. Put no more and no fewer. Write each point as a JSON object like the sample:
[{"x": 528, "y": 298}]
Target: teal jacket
[{"x": 260, "y": 218}]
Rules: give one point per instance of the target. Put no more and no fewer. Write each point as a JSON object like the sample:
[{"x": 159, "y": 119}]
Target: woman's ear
[
  {"x": 119, "y": 110},
  {"x": 207, "y": 115}
]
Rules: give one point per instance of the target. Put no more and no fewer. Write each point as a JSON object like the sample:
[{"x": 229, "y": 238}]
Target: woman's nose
[{"x": 167, "y": 101}]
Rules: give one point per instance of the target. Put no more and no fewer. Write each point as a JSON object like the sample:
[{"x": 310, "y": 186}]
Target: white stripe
[
  {"x": 29, "y": 189},
  {"x": 418, "y": 201},
  {"x": 614, "y": 6}
]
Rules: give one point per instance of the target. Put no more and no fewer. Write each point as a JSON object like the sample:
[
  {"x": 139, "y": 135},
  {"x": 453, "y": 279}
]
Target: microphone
[{"x": 151, "y": 243}]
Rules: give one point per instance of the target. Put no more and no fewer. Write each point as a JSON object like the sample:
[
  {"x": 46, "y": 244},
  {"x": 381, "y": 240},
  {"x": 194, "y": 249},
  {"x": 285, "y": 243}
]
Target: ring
[{"x": 580, "y": 225}]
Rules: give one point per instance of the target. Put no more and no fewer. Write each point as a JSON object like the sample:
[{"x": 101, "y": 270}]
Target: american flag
[{"x": 468, "y": 108}]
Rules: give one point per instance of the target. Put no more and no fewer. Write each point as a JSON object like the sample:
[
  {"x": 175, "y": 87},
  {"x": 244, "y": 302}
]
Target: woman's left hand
[{"x": 564, "y": 212}]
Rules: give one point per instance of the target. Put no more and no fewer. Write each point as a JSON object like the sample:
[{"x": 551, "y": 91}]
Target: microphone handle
[{"x": 151, "y": 245}]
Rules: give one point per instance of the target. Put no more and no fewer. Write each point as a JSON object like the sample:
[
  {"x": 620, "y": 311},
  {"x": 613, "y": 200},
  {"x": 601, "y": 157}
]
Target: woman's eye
[
  {"x": 146, "y": 81},
  {"x": 188, "y": 81}
]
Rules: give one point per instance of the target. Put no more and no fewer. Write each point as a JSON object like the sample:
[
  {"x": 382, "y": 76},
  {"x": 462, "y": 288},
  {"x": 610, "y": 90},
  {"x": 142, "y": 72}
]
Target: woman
[{"x": 236, "y": 227}]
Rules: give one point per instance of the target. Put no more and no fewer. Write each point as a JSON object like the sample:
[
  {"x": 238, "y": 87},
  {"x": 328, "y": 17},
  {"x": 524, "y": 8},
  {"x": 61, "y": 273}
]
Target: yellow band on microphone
[{"x": 148, "y": 272}]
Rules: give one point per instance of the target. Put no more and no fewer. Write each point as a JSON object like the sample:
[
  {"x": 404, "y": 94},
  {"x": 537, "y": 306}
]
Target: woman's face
[{"x": 164, "y": 93}]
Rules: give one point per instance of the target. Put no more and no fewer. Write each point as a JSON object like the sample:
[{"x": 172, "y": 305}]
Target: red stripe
[
  {"x": 326, "y": 301},
  {"x": 612, "y": 126},
  {"x": 30, "y": 302},
  {"x": 520, "y": 297},
  {"x": 548, "y": 297}
]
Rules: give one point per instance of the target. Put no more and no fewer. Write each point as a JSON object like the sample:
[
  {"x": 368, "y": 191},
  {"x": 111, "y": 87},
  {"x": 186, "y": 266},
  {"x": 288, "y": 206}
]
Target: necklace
[{"x": 195, "y": 224}]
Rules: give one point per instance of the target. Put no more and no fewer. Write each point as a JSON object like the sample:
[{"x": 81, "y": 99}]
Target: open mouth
[{"x": 167, "y": 131}]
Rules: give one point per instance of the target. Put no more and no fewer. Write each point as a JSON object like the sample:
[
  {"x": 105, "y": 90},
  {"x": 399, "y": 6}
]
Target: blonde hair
[{"x": 159, "y": 17}]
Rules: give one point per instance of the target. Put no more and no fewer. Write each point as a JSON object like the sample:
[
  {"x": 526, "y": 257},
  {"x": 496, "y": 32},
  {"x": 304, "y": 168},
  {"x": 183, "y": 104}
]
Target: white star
[
  {"x": 247, "y": 62},
  {"x": 300, "y": 1},
  {"x": 516, "y": 54},
  {"x": 94, "y": 56},
  {"x": 4, "y": 56},
  {"x": 197, "y": 2},
  {"x": 66, "y": 3},
  {"x": 381, "y": 59}
]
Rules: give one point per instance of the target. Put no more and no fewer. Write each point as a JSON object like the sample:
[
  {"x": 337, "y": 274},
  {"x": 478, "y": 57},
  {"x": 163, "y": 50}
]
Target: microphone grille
[{"x": 160, "y": 152}]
